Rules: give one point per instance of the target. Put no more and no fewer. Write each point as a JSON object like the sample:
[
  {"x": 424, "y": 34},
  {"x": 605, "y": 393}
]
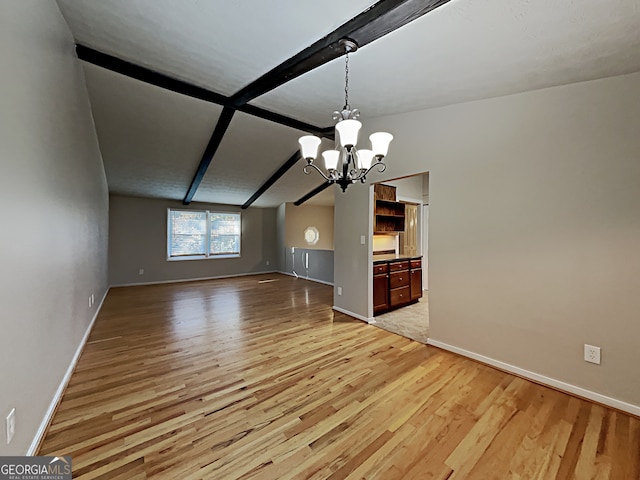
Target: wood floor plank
[{"x": 238, "y": 379}]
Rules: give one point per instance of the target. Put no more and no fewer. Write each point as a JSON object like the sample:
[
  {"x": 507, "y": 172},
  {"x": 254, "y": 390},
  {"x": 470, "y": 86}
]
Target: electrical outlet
[
  {"x": 591, "y": 354},
  {"x": 11, "y": 425},
  {"x": 141, "y": 271},
  {"x": 89, "y": 301},
  {"x": 93, "y": 299},
  {"x": 339, "y": 290},
  {"x": 267, "y": 263},
  {"x": 362, "y": 239}
]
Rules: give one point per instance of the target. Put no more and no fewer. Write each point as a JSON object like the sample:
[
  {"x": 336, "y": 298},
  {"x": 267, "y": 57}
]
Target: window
[{"x": 197, "y": 234}]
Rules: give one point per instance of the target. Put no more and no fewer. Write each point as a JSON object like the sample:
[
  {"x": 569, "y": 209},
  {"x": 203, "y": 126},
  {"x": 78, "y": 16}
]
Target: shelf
[
  {"x": 389, "y": 225},
  {"x": 388, "y": 213}
]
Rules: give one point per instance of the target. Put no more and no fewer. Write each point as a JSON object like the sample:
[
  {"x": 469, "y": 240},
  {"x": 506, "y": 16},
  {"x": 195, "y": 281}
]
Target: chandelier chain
[{"x": 346, "y": 81}]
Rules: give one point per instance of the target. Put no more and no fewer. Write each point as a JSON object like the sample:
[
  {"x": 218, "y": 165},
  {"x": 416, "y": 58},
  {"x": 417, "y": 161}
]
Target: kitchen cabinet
[
  {"x": 415, "y": 282},
  {"x": 396, "y": 283},
  {"x": 380, "y": 288},
  {"x": 399, "y": 289},
  {"x": 389, "y": 215}
]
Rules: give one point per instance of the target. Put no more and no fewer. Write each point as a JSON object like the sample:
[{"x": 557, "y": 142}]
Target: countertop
[{"x": 391, "y": 257}]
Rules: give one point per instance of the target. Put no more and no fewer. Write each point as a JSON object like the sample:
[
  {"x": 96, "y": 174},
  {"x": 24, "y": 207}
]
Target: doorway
[{"x": 411, "y": 321}]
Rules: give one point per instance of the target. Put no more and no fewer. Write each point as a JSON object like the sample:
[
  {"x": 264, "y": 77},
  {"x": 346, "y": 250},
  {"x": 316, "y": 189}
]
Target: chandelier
[{"x": 346, "y": 164}]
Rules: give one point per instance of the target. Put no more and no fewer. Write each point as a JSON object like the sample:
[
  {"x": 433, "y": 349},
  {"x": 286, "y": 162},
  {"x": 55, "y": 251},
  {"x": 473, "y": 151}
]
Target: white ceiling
[{"x": 152, "y": 140}]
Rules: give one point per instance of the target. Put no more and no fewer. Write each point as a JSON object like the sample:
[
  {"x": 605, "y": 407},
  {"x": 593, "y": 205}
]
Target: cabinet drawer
[
  {"x": 416, "y": 263},
  {"x": 400, "y": 296},
  {"x": 380, "y": 269},
  {"x": 399, "y": 279},
  {"x": 393, "y": 266}
]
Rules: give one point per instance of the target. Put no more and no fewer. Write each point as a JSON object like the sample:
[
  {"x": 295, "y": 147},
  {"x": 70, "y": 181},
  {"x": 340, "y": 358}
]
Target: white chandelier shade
[
  {"x": 365, "y": 157},
  {"x": 347, "y": 131},
  {"x": 331, "y": 158},
  {"x": 309, "y": 146},
  {"x": 380, "y": 143}
]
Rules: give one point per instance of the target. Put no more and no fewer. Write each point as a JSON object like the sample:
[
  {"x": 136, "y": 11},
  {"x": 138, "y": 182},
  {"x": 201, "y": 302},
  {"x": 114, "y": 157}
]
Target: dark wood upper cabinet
[{"x": 389, "y": 214}]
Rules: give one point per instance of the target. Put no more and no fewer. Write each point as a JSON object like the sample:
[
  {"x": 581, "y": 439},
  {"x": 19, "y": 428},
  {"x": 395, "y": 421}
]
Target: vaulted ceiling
[{"x": 155, "y": 140}]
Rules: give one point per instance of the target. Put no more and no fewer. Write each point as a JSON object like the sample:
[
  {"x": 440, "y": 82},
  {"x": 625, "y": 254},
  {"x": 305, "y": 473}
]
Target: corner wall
[
  {"x": 53, "y": 197},
  {"x": 534, "y": 228},
  {"x": 138, "y": 240}
]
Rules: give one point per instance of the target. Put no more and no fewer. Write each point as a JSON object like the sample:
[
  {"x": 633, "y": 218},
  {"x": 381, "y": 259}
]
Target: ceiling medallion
[{"x": 346, "y": 164}]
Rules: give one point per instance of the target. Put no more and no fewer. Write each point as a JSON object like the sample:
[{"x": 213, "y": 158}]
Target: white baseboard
[
  {"x": 199, "y": 279},
  {"x": 307, "y": 278},
  {"x": 63, "y": 384},
  {"x": 536, "y": 377},
  {"x": 354, "y": 315}
]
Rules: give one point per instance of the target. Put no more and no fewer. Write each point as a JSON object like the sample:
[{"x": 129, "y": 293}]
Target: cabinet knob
[{"x": 400, "y": 278}]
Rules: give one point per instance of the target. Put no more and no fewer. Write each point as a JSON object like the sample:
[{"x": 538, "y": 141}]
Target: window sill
[{"x": 202, "y": 257}]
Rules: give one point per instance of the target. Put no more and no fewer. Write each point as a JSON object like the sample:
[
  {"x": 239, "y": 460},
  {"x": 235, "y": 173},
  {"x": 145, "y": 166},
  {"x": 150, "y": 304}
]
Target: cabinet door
[
  {"x": 380, "y": 293},
  {"x": 416, "y": 283}
]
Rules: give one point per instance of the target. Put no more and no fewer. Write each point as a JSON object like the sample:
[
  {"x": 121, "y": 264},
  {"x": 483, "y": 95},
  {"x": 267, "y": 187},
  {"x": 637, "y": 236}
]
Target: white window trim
[{"x": 207, "y": 256}]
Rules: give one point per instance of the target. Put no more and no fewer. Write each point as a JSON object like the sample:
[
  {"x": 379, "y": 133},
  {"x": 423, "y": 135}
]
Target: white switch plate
[
  {"x": 339, "y": 290},
  {"x": 141, "y": 271},
  {"x": 362, "y": 239},
  {"x": 11, "y": 425}
]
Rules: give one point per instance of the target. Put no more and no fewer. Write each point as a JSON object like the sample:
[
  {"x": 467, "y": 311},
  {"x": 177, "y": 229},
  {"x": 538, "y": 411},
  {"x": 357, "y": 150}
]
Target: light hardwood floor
[{"x": 238, "y": 379}]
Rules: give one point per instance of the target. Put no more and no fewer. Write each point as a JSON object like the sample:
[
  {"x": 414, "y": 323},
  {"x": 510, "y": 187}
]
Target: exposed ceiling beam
[
  {"x": 293, "y": 159},
  {"x": 286, "y": 121},
  {"x": 381, "y": 18},
  {"x": 312, "y": 193},
  {"x": 209, "y": 152},
  {"x": 147, "y": 75},
  {"x": 161, "y": 80}
]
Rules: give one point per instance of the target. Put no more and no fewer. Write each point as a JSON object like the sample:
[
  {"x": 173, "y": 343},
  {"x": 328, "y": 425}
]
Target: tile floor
[{"x": 411, "y": 321}]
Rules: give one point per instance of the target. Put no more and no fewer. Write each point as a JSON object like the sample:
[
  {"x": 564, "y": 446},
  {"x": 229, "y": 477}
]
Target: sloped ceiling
[{"x": 152, "y": 139}]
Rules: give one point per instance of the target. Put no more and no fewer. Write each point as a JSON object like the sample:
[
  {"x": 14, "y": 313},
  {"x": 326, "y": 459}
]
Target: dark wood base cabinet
[
  {"x": 416, "y": 279},
  {"x": 396, "y": 283},
  {"x": 380, "y": 293}
]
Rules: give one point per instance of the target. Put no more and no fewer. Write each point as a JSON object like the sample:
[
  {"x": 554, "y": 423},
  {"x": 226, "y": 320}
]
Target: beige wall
[
  {"x": 138, "y": 240},
  {"x": 53, "y": 192},
  {"x": 408, "y": 189},
  {"x": 297, "y": 219},
  {"x": 534, "y": 228},
  {"x": 352, "y": 258},
  {"x": 281, "y": 220}
]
